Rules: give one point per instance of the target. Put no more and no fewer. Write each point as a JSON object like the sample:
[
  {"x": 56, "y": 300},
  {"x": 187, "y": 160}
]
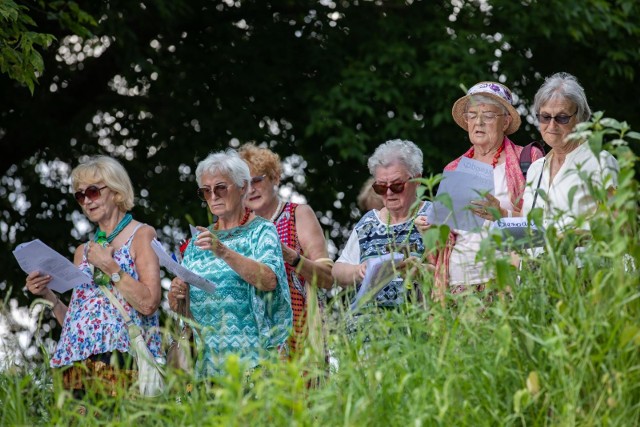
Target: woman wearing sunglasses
[
  {"x": 487, "y": 114},
  {"x": 94, "y": 342},
  {"x": 249, "y": 313},
  {"x": 560, "y": 104},
  {"x": 303, "y": 245},
  {"x": 395, "y": 166}
]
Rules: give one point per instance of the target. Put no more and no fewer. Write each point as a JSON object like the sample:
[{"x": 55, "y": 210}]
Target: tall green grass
[{"x": 559, "y": 345}]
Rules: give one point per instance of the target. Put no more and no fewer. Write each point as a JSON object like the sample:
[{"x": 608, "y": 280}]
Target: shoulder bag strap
[
  {"x": 525, "y": 156},
  {"x": 116, "y": 304}
]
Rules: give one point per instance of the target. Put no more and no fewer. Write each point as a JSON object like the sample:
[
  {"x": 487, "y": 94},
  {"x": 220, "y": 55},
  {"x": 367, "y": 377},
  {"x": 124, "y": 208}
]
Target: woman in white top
[
  {"x": 487, "y": 114},
  {"x": 569, "y": 173}
]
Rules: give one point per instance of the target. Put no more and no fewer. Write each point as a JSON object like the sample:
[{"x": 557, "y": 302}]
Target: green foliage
[
  {"x": 558, "y": 345},
  {"x": 161, "y": 84},
  {"x": 20, "y": 58}
]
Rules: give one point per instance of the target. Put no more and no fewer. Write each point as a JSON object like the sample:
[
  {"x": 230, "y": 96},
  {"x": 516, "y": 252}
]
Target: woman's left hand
[{"x": 487, "y": 208}]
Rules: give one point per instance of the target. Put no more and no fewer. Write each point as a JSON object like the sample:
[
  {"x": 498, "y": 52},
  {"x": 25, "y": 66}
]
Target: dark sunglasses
[
  {"x": 220, "y": 190},
  {"x": 381, "y": 189},
  {"x": 257, "y": 179},
  {"x": 561, "y": 119},
  {"x": 92, "y": 192}
]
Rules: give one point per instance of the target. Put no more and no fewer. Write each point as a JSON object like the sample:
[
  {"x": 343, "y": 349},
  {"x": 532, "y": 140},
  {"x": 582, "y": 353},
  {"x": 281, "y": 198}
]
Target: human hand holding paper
[
  {"x": 178, "y": 270},
  {"x": 35, "y": 256},
  {"x": 379, "y": 271}
]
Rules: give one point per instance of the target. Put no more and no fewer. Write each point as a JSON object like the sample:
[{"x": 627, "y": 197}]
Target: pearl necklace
[{"x": 278, "y": 208}]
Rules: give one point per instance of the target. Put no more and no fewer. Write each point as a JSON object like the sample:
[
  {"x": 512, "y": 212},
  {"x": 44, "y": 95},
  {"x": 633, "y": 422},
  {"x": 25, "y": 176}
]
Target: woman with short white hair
[
  {"x": 396, "y": 166},
  {"x": 249, "y": 313}
]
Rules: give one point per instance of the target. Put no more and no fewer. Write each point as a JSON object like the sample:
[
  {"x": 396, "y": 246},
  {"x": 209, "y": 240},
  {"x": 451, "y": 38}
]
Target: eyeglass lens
[
  {"x": 487, "y": 116},
  {"x": 381, "y": 189},
  {"x": 561, "y": 119},
  {"x": 257, "y": 179},
  {"x": 219, "y": 190},
  {"x": 92, "y": 192}
]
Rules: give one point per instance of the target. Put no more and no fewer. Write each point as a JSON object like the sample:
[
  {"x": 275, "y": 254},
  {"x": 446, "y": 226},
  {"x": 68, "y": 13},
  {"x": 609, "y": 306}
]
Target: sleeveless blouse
[
  {"x": 93, "y": 325},
  {"x": 286, "y": 225}
]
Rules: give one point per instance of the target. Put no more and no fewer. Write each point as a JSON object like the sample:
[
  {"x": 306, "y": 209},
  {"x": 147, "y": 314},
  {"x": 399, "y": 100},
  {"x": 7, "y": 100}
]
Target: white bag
[{"x": 150, "y": 375}]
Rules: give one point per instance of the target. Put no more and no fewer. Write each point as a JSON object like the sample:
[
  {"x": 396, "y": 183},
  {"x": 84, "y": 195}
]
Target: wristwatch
[{"x": 117, "y": 276}]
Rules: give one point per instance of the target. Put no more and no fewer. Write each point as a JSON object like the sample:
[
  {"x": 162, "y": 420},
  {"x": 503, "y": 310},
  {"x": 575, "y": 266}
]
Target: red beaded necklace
[
  {"x": 243, "y": 221},
  {"x": 496, "y": 157}
]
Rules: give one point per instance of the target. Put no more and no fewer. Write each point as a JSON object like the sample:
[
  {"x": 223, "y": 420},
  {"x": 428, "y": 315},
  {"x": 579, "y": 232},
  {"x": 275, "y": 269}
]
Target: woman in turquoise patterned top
[{"x": 249, "y": 313}]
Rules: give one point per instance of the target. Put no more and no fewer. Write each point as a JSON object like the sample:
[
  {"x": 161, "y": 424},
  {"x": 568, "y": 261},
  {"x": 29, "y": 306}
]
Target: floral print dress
[{"x": 93, "y": 325}]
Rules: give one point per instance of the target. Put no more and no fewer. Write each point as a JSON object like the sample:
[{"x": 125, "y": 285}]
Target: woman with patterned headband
[{"x": 486, "y": 112}]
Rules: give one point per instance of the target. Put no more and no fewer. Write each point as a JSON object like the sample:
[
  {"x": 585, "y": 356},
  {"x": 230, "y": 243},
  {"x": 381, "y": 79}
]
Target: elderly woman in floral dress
[
  {"x": 94, "y": 345},
  {"x": 395, "y": 165}
]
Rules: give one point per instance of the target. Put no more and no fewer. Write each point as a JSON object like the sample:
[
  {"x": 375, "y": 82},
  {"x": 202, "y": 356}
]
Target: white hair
[
  {"x": 227, "y": 163},
  {"x": 563, "y": 86},
  {"x": 397, "y": 150}
]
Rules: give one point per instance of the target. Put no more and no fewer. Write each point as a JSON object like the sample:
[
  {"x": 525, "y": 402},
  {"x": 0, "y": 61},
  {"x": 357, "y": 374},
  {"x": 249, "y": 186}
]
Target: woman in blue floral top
[
  {"x": 94, "y": 343},
  {"x": 249, "y": 313}
]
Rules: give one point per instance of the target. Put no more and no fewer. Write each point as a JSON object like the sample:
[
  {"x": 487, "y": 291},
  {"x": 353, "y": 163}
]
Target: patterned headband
[{"x": 493, "y": 89}]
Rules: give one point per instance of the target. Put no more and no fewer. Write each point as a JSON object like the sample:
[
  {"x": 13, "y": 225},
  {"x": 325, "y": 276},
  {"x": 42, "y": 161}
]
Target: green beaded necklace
[{"x": 121, "y": 225}]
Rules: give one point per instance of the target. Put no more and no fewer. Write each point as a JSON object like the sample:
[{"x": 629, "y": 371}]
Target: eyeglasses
[
  {"x": 257, "y": 179},
  {"x": 487, "y": 116},
  {"x": 561, "y": 119},
  {"x": 92, "y": 192},
  {"x": 381, "y": 189},
  {"x": 220, "y": 190}
]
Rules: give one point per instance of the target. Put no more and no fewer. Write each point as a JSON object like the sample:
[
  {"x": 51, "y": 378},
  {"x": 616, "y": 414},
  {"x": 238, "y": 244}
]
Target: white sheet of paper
[
  {"x": 178, "y": 270},
  {"x": 524, "y": 233},
  {"x": 378, "y": 275},
  {"x": 193, "y": 230},
  {"x": 476, "y": 168},
  {"x": 37, "y": 256},
  {"x": 468, "y": 182}
]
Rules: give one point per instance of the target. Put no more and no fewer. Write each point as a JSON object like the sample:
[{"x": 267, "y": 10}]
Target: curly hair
[{"x": 261, "y": 160}]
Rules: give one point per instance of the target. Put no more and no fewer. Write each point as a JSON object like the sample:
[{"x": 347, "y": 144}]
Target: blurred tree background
[{"x": 160, "y": 84}]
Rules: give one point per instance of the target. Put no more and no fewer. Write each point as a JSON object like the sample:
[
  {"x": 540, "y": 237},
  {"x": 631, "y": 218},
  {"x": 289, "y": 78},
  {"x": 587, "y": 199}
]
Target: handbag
[
  {"x": 181, "y": 354},
  {"x": 150, "y": 374}
]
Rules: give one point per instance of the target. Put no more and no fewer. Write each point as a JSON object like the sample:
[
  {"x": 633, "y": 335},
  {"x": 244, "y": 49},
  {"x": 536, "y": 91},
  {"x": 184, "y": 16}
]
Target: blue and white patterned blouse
[
  {"x": 237, "y": 318},
  {"x": 372, "y": 237}
]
